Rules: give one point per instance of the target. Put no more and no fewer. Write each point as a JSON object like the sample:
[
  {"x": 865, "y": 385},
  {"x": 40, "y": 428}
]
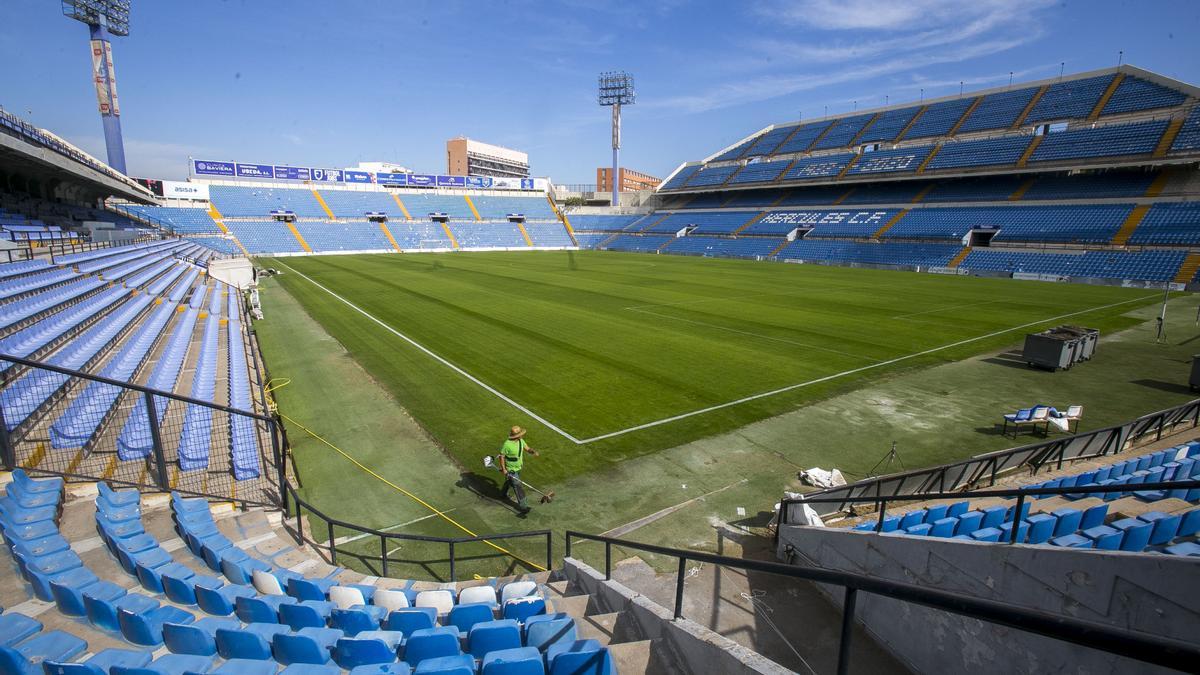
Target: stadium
[{"x": 920, "y": 369}]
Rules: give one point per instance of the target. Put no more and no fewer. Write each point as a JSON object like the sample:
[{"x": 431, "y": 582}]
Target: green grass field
[{"x": 607, "y": 356}]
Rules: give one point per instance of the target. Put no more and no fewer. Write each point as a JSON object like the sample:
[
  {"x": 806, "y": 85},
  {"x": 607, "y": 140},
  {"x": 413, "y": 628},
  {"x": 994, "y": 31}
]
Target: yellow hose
[{"x": 415, "y": 498}]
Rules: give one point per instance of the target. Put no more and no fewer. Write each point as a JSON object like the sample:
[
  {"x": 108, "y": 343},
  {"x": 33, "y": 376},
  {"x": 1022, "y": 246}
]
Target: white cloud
[
  {"x": 832, "y": 42},
  {"x": 895, "y": 15}
]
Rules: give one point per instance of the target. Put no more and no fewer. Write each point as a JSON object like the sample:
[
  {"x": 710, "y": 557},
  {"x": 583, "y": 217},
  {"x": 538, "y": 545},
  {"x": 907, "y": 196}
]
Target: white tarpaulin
[
  {"x": 808, "y": 515},
  {"x": 822, "y": 478}
]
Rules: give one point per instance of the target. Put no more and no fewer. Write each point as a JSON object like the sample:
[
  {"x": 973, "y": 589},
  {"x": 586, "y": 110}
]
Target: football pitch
[{"x": 607, "y": 356}]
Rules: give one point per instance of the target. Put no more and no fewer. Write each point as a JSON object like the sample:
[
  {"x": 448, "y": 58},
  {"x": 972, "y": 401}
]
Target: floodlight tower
[
  {"x": 616, "y": 90},
  {"x": 104, "y": 18}
]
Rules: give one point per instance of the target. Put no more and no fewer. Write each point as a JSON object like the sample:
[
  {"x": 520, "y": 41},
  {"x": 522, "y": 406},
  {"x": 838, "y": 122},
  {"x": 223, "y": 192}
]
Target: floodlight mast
[
  {"x": 104, "y": 18},
  {"x": 616, "y": 89}
]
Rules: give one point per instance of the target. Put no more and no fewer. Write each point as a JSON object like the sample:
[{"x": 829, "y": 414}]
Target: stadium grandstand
[{"x": 249, "y": 421}]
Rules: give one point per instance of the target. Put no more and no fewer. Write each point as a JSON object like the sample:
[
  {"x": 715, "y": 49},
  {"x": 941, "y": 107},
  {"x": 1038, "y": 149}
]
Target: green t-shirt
[{"x": 514, "y": 453}]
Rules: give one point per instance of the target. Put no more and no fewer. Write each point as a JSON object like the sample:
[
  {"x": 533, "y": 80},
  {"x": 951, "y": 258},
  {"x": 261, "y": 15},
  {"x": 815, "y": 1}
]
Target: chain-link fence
[{"x": 88, "y": 427}]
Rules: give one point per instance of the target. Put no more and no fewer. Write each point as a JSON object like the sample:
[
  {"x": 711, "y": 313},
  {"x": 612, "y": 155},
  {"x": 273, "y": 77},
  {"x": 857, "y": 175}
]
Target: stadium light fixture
[
  {"x": 616, "y": 89},
  {"x": 104, "y": 18}
]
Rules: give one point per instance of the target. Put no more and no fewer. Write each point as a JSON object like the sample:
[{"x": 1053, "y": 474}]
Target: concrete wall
[
  {"x": 1156, "y": 594},
  {"x": 237, "y": 272},
  {"x": 698, "y": 649}
]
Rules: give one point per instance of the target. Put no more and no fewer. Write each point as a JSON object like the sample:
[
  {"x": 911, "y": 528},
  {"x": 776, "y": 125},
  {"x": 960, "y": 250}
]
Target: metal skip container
[{"x": 1060, "y": 347}]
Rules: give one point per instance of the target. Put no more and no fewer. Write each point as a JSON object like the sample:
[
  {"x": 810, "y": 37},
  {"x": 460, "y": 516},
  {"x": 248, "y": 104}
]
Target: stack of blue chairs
[
  {"x": 1091, "y": 186},
  {"x": 16, "y": 269}
]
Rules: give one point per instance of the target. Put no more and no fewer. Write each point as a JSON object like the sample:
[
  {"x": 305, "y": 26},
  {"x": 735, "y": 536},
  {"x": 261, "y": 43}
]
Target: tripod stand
[{"x": 886, "y": 462}]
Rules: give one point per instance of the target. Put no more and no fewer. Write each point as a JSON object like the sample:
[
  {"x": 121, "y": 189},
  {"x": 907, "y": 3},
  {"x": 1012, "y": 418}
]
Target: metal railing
[
  {"x": 318, "y": 522},
  {"x": 150, "y": 459},
  {"x": 1143, "y": 647},
  {"x": 1020, "y": 493},
  {"x": 987, "y": 467}
]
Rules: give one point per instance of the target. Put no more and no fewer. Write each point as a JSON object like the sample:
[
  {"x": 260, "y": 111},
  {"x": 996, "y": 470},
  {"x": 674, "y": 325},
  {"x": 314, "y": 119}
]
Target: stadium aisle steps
[
  {"x": 1158, "y": 184},
  {"x": 403, "y": 208},
  {"x": 324, "y": 206},
  {"x": 296, "y": 233},
  {"x": 450, "y": 235},
  {"x": 1131, "y": 222},
  {"x": 957, "y": 260},
  {"x": 966, "y": 114},
  {"x": 1187, "y": 271},
  {"x": 1020, "y": 192},
  {"x": 1108, "y": 94},
  {"x": 911, "y": 123},
  {"x": 525, "y": 234},
  {"x": 888, "y": 225},
  {"x": 1037, "y": 96},
  {"x": 471, "y": 206},
  {"x": 1029, "y": 150},
  {"x": 388, "y": 233},
  {"x": 750, "y": 222},
  {"x": 1168, "y": 137},
  {"x": 929, "y": 158}
]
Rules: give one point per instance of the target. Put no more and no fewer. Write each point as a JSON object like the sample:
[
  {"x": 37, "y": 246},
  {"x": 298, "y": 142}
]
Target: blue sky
[{"x": 322, "y": 83}]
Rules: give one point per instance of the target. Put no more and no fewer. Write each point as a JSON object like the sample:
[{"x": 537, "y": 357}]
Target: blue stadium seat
[
  {"x": 101, "y": 663},
  {"x": 519, "y": 661},
  {"x": 367, "y": 648}
]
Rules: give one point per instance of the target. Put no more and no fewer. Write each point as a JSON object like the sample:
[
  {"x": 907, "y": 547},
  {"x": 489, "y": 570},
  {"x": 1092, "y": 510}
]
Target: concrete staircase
[
  {"x": 1131, "y": 222},
  {"x": 1187, "y": 271}
]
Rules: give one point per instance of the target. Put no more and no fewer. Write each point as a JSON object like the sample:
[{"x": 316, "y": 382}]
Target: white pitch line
[
  {"x": 701, "y": 411},
  {"x": 781, "y": 390},
  {"x": 487, "y": 387}
]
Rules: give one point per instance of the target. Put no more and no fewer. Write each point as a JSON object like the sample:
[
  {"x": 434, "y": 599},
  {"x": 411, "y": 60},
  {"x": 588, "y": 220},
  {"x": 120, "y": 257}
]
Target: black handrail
[
  {"x": 1166, "y": 652},
  {"x": 987, "y": 466},
  {"x": 130, "y": 385},
  {"x": 1019, "y": 493},
  {"x": 451, "y": 542}
]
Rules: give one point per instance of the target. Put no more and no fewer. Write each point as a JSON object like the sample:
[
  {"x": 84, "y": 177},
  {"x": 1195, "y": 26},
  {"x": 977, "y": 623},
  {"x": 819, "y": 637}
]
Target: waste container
[{"x": 1060, "y": 347}]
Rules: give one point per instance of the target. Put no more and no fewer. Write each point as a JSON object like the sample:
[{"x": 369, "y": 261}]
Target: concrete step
[
  {"x": 644, "y": 656},
  {"x": 575, "y": 606}
]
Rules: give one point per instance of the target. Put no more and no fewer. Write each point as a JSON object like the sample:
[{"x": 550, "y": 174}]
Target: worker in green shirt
[{"x": 512, "y": 459}]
